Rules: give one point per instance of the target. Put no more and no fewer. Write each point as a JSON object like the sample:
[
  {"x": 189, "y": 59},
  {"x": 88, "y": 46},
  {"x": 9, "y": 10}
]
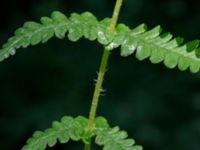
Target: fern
[
  {"x": 75, "y": 129},
  {"x": 151, "y": 44},
  {"x": 33, "y": 33},
  {"x": 78, "y": 26},
  {"x": 114, "y": 139},
  {"x": 68, "y": 128},
  {"x": 147, "y": 44},
  {"x": 88, "y": 26}
]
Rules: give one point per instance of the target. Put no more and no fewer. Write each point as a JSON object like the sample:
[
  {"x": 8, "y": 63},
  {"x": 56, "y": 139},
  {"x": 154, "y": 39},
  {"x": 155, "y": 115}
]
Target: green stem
[
  {"x": 115, "y": 14},
  {"x": 98, "y": 88},
  {"x": 87, "y": 147},
  {"x": 101, "y": 73}
]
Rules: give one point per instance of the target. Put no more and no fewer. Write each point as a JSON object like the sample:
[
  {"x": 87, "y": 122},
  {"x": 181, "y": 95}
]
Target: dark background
[{"x": 160, "y": 108}]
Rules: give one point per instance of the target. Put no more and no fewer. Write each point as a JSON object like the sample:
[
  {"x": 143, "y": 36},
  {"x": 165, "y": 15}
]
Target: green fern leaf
[
  {"x": 147, "y": 44},
  {"x": 76, "y": 129},
  {"x": 151, "y": 44},
  {"x": 68, "y": 128},
  {"x": 87, "y": 25},
  {"x": 114, "y": 139},
  {"x": 33, "y": 33},
  {"x": 100, "y": 124},
  {"x": 78, "y": 25}
]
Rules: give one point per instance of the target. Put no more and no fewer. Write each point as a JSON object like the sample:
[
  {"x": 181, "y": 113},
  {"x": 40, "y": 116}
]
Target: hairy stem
[
  {"x": 101, "y": 73},
  {"x": 98, "y": 88}
]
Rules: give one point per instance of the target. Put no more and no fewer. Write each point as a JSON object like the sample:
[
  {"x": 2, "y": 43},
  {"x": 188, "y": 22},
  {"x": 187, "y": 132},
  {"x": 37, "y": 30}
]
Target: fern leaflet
[
  {"x": 68, "y": 128},
  {"x": 78, "y": 25},
  {"x": 32, "y": 33},
  {"x": 114, "y": 139},
  {"x": 150, "y": 44}
]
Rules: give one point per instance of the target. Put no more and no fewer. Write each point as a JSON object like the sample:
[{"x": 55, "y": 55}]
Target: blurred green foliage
[{"x": 160, "y": 108}]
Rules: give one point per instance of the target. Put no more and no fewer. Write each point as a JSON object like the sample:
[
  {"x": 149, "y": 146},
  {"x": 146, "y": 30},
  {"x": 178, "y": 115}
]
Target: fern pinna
[
  {"x": 145, "y": 43},
  {"x": 74, "y": 129}
]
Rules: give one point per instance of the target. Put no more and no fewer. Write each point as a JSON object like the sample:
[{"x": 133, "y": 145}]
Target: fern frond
[
  {"x": 76, "y": 129},
  {"x": 114, "y": 139},
  {"x": 58, "y": 24},
  {"x": 68, "y": 128},
  {"x": 157, "y": 47},
  {"x": 33, "y": 33},
  {"x": 147, "y": 44}
]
